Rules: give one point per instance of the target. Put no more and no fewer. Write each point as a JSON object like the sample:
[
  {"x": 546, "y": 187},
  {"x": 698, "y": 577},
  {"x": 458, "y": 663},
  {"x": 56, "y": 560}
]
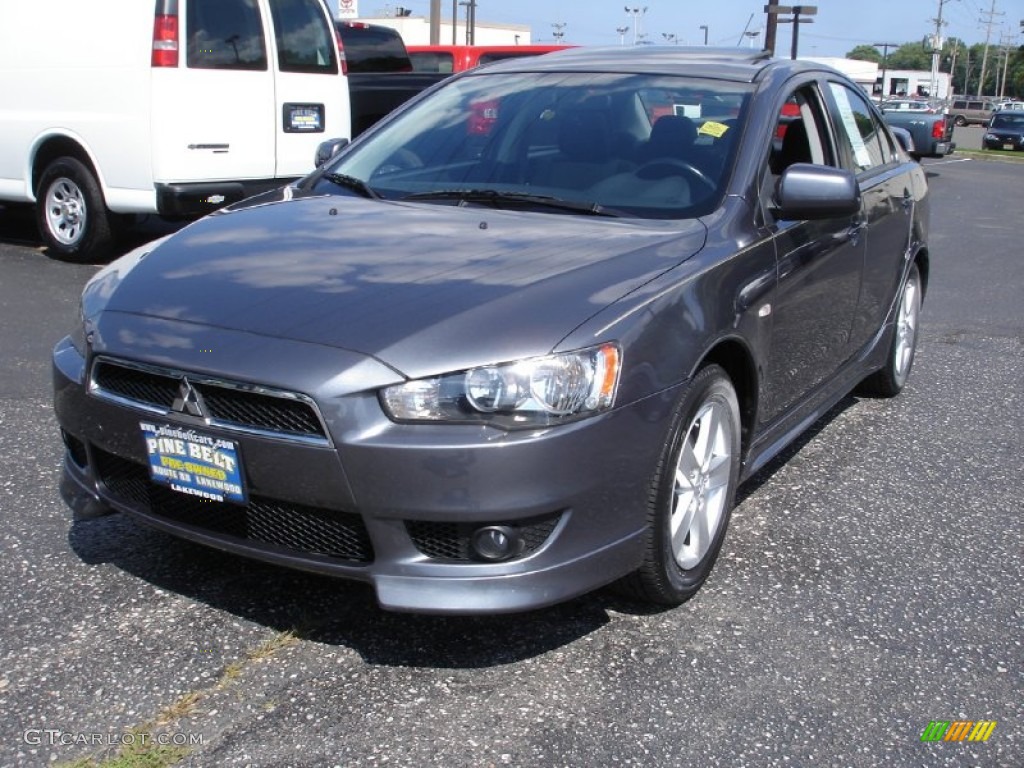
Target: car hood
[{"x": 396, "y": 281}]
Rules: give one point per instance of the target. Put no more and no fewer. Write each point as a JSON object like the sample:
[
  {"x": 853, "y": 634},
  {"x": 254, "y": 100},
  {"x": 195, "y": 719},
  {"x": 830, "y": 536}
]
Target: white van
[{"x": 174, "y": 107}]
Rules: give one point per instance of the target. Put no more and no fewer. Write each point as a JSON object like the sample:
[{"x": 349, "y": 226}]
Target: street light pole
[
  {"x": 622, "y": 34},
  {"x": 885, "y": 60},
  {"x": 705, "y": 28},
  {"x": 637, "y": 13}
]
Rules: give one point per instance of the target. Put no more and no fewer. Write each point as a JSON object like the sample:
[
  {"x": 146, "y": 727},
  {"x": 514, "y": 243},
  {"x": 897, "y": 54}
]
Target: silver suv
[{"x": 971, "y": 111}]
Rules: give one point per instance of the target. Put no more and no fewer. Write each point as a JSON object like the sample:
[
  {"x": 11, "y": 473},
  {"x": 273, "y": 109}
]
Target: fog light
[{"x": 496, "y": 542}]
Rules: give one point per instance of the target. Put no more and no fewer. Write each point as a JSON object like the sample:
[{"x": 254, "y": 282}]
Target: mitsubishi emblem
[{"x": 188, "y": 400}]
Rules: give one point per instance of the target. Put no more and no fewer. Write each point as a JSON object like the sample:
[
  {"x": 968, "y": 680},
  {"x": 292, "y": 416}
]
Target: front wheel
[
  {"x": 890, "y": 379},
  {"x": 693, "y": 492},
  {"x": 70, "y": 212}
]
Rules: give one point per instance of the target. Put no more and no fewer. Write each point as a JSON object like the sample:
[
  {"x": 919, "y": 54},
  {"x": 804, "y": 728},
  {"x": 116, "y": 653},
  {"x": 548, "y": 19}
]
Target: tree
[
  {"x": 865, "y": 53},
  {"x": 910, "y": 56}
]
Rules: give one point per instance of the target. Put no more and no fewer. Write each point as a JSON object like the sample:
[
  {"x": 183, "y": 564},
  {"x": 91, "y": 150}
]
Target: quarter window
[{"x": 227, "y": 34}]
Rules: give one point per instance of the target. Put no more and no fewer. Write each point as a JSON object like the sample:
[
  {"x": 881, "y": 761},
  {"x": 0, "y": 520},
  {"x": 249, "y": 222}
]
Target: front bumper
[{"x": 393, "y": 505}]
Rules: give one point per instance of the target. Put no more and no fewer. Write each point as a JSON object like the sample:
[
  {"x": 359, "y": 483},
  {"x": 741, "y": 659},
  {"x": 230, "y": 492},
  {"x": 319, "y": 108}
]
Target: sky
[{"x": 838, "y": 27}]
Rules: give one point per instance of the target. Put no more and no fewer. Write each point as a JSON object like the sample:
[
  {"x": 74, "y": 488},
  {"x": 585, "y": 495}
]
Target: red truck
[{"x": 457, "y": 58}]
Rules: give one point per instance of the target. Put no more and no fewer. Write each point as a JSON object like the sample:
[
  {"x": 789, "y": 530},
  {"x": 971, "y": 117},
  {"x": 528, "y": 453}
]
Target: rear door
[
  {"x": 213, "y": 110},
  {"x": 887, "y": 190},
  {"x": 310, "y": 94}
]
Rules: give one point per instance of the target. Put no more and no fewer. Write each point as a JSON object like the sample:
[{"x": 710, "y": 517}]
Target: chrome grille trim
[{"x": 319, "y": 437}]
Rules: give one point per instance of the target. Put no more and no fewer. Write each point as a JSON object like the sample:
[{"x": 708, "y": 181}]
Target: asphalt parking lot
[{"x": 870, "y": 583}]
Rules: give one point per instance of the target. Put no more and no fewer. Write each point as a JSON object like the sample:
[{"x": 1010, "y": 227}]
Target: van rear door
[
  {"x": 213, "y": 103},
  {"x": 311, "y": 96}
]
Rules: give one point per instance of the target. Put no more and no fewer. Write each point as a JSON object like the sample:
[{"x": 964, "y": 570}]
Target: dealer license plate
[{"x": 193, "y": 463}]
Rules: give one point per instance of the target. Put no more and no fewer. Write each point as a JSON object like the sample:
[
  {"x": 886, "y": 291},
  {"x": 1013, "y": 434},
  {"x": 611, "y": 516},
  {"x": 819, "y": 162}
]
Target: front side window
[
  {"x": 859, "y": 132},
  {"x": 227, "y": 34},
  {"x": 652, "y": 146},
  {"x": 305, "y": 41}
]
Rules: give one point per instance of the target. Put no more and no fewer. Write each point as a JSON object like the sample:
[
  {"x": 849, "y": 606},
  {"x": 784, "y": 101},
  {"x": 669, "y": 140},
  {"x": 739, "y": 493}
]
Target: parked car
[
  {"x": 519, "y": 340},
  {"x": 931, "y": 133},
  {"x": 174, "y": 107},
  {"x": 1005, "y": 131},
  {"x": 380, "y": 72},
  {"x": 971, "y": 111},
  {"x": 459, "y": 58}
]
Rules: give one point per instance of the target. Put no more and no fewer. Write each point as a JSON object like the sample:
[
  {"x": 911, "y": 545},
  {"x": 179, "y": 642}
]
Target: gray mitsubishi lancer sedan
[{"x": 522, "y": 339}]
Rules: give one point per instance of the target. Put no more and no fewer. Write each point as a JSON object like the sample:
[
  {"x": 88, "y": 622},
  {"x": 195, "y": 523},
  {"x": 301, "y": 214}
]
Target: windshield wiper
[
  {"x": 496, "y": 198},
  {"x": 355, "y": 184}
]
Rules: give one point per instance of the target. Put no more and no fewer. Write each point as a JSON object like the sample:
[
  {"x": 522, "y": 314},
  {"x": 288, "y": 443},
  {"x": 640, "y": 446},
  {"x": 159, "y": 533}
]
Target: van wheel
[
  {"x": 72, "y": 217},
  {"x": 960, "y": 120}
]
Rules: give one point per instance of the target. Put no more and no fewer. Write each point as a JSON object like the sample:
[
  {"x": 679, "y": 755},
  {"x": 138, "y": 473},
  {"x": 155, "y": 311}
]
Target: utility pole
[
  {"x": 988, "y": 35},
  {"x": 435, "y": 22},
  {"x": 952, "y": 69},
  {"x": 637, "y": 13},
  {"x": 885, "y": 61},
  {"x": 937, "y": 50}
]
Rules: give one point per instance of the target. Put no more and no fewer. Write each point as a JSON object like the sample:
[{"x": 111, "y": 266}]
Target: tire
[
  {"x": 960, "y": 120},
  {"x": 889, "y": 380},
  {"x": 71, "y": 214},
  {"x": 692, "y": 494}
]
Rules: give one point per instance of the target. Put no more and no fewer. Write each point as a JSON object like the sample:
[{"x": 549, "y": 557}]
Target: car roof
[{"x": 742, "y": 65}]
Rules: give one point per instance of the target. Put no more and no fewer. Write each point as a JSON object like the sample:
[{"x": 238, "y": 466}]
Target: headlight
[
  {"x": 990, "y": 137},
  {"x": 77, "y": 333},
  {"x": 527, "y": 393}
]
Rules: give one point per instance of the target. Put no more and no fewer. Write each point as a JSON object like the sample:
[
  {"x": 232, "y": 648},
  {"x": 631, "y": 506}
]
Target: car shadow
[
  {"x": 765, "y": 473},
  {"x": 18, "y": 227},
  {"x": 340, "y": 612},
  {"x": 333, "y": 611}
]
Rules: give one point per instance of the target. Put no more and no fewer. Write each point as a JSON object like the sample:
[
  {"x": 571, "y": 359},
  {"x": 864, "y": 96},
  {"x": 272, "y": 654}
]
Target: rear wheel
[
  {"x": 70, "y": 212},
  {"x": 889, "y": 380},
  {"x": 693, "y": 492}
]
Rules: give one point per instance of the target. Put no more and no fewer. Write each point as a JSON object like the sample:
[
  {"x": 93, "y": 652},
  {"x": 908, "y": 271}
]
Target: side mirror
[
  {"x": 328, "y": 149},
  {"x": 807, "y": 191},
  {"x": 905, "y": 139}
]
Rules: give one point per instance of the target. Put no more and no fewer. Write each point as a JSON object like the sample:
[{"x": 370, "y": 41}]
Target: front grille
[
  {"x": 285, "y": 525},
  {"x": 451, "y": 541},
  {"x": 227, "y": 404}
]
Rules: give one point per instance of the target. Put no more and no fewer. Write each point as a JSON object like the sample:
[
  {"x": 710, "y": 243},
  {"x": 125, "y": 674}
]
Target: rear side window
[
  {"x": 373, "y": 48},
  {"x": 226, "y": 34},
  {"x": 305, "y": 42},
  {"x": 432, "y": 61}
]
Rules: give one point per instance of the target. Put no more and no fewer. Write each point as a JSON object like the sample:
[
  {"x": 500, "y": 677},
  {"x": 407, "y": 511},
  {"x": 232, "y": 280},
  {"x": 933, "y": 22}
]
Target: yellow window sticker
[{"x": 711, "y": 128}]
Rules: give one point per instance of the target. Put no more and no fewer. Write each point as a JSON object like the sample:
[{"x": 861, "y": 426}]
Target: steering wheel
[
  {"x": 661, "y": 167},
  {"x": 400, "y": 160}
]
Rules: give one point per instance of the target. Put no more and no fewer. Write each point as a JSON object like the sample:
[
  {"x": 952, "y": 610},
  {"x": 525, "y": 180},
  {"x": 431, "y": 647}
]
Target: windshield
[
  {"x": 649, "y": 146},
  {"x": 1008, "y": 121}
]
